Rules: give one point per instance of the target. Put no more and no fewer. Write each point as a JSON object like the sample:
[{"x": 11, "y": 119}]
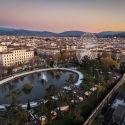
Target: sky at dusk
[{"x": 63, "y": 15}]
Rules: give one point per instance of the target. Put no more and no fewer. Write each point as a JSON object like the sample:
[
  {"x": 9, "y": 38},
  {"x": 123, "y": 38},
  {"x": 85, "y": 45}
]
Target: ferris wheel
[{"x": 89, "y": 43}]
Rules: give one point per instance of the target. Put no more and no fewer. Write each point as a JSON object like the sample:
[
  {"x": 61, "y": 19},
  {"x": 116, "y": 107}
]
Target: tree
[
  {"x": 85, "y": 62},
  {"x": 41, "y": 109},
  {"x": 39, "y": 60},
  {"x": 71, "y": 79},
  {"x": 105, "y": 54},
  {"x": 51, "y": 90},
  {"x": 14, "y": 66},
  {"x": 32, "y": 61},
  {"x": 57, "y": 57},
  {"x": 28, "y": 106},
  {"x": 100, "y": 89},
  {"x": 15, "y": 114},
  {"x": 109, "y": 62},
  {"x": 51, "y": 63},
  {"x": 75, "y": 114},
  {"x": 9, "y": 70},
  {"x": 4, "y": 120},
  {"x": 15, "y": 100},
  {"x": 65, "y": 55}
]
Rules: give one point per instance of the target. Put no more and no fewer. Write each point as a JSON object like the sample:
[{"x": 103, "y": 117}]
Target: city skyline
[{"x": 63, "y": 15}]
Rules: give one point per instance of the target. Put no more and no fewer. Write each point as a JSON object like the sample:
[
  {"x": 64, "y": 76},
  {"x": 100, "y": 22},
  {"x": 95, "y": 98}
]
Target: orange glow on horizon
[{"x": 59, "y": 16}]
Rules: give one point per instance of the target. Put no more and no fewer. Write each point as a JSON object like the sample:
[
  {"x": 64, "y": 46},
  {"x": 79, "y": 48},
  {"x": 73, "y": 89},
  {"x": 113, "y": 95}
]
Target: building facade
[
  {"x": 3, "y": 48},
  {"x": 16, "y": 56}
]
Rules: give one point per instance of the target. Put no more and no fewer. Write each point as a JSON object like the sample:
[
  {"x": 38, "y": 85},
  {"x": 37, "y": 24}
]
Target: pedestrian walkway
[{"x": 41, "y": 70}]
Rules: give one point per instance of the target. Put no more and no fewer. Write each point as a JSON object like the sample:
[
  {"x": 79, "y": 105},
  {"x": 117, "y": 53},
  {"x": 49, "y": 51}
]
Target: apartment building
[
  {"x": 16, "y": 56},
  {"x": 47, "y": 50},
  {"x": 3, "y": 48}
]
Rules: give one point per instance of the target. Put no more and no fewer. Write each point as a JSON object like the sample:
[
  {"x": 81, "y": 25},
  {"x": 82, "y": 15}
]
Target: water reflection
[{"x": 57, "y": 78}]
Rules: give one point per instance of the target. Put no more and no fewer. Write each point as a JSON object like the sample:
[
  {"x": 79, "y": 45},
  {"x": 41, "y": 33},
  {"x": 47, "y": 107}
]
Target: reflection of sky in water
[{"x": 39, "y": 89}]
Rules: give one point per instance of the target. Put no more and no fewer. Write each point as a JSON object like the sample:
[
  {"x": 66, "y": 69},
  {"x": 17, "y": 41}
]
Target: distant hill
[
  {"x": 111, "y": 34},
  {"x": 71, "y": 33},
  {"x": 22, "y": 32},
  {"x": 7, "y": 29}
]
